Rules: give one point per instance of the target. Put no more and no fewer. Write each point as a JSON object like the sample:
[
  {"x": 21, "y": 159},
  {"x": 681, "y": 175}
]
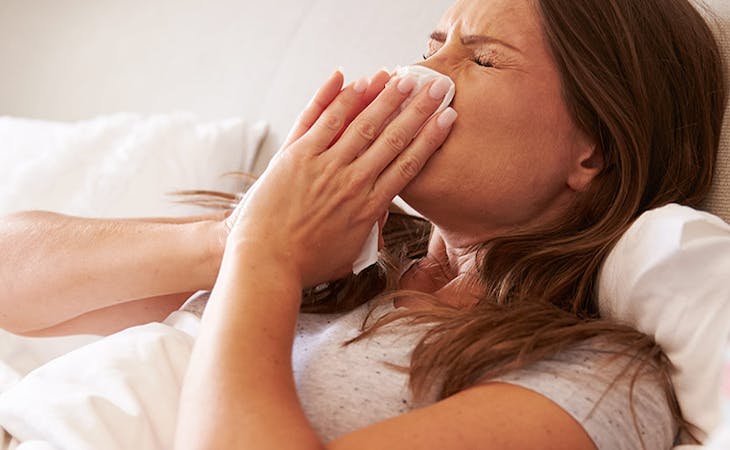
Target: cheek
[
  {"x": 507, "y": 146},
  {"x": 515, "y": 123},
  {"x": 501, "y": 133}
]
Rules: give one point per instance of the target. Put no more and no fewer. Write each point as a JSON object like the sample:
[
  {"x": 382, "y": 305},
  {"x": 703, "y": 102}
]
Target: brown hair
[{"x": 645, "y": 79}]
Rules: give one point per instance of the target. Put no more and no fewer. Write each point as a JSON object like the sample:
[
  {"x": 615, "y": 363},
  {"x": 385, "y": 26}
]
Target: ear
[{"x": 588, "y": 163}]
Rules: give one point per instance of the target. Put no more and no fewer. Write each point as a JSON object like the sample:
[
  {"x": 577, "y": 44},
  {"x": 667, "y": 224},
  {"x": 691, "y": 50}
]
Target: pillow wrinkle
[{"x": 121, "y": 165}]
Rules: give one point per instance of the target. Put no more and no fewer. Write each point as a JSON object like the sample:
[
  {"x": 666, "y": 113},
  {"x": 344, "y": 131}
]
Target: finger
[
  {"x": 400, "y": 132},
  {"x": 321, "y": 100},
  {"x": 377, "y": 84},
  {"x": 410, "y": 162},
  {"x": 332, "y": 120},
  {"x": 366, "y": 127}
]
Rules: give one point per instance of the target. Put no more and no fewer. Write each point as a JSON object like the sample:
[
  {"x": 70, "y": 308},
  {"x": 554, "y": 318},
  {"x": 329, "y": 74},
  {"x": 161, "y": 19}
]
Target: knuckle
[
  {"x": 396, "y": 139},
  {"x": 332, "y": 122},
  {"x": 409, "y": 168},
  {"x": 330, "y": 170},
  {"x": 317, "y": 105},
  {"x": 366, "y": 130},
  {"x": 348, "y": 195},
  {"x": 423, "y": 109},
  {"x": 358, "y": 180},
  {"x": 431, "y": 139}
]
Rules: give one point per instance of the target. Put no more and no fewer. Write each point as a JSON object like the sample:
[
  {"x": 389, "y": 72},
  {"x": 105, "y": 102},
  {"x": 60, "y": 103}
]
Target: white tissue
[
  {"x": 369, "y": 254},
  {"x": 424, "y": 76}
]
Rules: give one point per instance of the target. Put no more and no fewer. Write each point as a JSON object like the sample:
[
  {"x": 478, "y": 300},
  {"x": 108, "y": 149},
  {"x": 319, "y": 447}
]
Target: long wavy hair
[{"x": 645, "y": 80}]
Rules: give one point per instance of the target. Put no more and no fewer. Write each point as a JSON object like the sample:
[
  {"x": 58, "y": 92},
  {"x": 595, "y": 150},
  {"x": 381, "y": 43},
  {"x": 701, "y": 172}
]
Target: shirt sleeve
[{"x": 583, "y": 382}]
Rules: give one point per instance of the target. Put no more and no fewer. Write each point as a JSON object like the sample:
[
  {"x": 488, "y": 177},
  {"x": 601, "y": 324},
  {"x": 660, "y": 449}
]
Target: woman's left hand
[{"x": 313, "y": 207}]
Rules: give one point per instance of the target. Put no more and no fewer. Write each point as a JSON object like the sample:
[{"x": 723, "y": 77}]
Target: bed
[{"x": 214, "y": 84}]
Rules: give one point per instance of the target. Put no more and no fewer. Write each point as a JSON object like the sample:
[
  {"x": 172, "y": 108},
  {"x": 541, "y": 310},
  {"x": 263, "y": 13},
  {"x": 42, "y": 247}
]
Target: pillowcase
[
  {"x": 119, "y": 393},
  {"x": 669, "y": 277},
  {"x": 718, "y": 200},
  {"x": 121, "y": 165}
]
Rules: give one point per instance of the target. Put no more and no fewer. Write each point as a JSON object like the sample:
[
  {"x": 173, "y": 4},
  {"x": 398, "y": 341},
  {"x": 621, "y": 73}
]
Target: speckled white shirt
[{"x": 344, "y": 388}]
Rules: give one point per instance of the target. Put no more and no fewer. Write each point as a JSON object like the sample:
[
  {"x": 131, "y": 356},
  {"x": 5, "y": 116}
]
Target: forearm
[
  {"x": 58, "y": 267},
  {"x": 217, "y": 216},
  {"x": 239, "y": 391},
  {"x": 111, "y": 319}
]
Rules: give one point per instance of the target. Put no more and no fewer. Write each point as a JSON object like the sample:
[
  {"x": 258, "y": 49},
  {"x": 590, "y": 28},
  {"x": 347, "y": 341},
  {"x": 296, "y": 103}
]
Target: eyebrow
[{"x": 472, "y": 39}]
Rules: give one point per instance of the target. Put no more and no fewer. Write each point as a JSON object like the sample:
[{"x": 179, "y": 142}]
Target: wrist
[
  {"x": 213, "y": 234},
  {"x": 260, "y": 256}
]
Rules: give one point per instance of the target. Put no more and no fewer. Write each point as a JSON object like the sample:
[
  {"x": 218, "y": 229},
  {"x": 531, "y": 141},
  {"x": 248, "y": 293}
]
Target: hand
[
  {"x": 313, "y": 207},
  {"x": 304, "y": 122}
]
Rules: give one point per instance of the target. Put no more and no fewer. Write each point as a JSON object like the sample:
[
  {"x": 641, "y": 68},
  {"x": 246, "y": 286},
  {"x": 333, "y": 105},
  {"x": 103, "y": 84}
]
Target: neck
[{"x": 448, "y": 270}]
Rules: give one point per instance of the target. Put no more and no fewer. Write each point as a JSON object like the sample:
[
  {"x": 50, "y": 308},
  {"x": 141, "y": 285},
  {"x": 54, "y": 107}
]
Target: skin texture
[
  {"x": 517, "y": 155},
  {"x": 518, "y": 158},
  {"x": 239, "y": 391},
  {"x": 98, "y": 275}
]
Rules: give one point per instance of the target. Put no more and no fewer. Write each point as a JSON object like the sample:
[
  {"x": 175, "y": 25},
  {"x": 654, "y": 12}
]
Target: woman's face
[{"x": 514, "y": 156}]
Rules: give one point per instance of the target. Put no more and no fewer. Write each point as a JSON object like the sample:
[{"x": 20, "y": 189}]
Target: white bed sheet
[{"x": 120, "y": 392}]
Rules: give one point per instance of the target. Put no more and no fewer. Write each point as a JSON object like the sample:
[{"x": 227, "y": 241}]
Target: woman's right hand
[
  {"x": 305, "y": 121},
  {"x": 311, "y": 211}
]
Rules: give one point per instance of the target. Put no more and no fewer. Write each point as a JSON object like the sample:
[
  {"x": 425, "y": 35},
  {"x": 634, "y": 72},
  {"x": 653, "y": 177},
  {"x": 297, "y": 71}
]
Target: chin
[
  {"x": 429, "y": 188},
  {"x": 417, "y": 196}
]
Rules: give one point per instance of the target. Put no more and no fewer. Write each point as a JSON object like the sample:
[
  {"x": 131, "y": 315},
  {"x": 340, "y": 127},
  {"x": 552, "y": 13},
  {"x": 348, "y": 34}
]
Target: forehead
[{"x": 514, "y": 21}]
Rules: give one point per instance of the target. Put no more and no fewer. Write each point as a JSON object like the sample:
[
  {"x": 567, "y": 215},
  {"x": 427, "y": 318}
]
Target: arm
[
  {"x": 56, "y": 268},
  {"x": 111, "y": 319},
  {"x": 244, "y": 352},
  {"x": 239, "y": 391}
]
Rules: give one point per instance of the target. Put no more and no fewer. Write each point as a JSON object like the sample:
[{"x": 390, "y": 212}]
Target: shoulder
[
  {"x": 597, "y": 387},
  {"x": 486, "y": 416}
]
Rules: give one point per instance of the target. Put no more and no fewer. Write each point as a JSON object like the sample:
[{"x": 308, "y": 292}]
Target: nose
[
  {"x": 444, "y": 61},
  {"x": 434, "y": 66},
  {"x": 425, "y": 76}
]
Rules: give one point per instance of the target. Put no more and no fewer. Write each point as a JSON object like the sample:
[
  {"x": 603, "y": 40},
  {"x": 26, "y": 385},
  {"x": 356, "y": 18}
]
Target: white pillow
[
  {"x": 120, "y": 165},
  {"x": 718, "y": 200},
  {"x": 669, "y": 277},
  {"x": 119, "y": 393}
]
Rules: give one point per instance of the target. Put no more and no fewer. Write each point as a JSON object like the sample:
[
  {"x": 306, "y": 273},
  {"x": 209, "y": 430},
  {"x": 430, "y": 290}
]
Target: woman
[{"x": 573, "y": 119}]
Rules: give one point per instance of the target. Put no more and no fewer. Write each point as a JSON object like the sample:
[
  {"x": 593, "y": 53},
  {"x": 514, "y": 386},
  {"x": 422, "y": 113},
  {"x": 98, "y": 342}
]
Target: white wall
[
  {"x": 69, "y": 59},
  {"x": 72, "y": 59}
]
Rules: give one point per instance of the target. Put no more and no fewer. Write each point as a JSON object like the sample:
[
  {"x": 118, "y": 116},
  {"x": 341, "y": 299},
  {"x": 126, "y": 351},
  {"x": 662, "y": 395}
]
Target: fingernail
[
  {"x": 439, "y": 89},
  {"x": 406, "y": 84},
  {"x": 361, "y": 85},
  {"x": 446, "y": 118},
  {"x": 336, "y": 72}
]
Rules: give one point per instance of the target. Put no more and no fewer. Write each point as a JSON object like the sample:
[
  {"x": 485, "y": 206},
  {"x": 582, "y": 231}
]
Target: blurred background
[{"x": 75, "y": 59}]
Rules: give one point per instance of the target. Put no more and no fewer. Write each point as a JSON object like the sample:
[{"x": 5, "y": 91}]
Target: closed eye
[{"x": 484, "y": 62}]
